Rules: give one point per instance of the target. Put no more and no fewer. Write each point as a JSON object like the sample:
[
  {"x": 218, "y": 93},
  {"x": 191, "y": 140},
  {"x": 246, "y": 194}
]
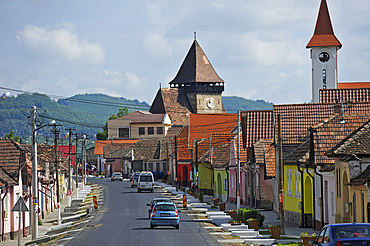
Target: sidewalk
[
  {"x": 47, "y": 223},
  {"x": 271, "y": 218}
]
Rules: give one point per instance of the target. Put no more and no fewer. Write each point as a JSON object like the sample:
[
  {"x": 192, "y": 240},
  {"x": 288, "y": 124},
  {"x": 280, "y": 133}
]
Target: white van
[{"x": 145, "y": 181}]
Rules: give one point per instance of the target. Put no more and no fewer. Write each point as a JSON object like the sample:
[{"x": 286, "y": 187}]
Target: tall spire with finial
[{"x": 324, "y": 34}]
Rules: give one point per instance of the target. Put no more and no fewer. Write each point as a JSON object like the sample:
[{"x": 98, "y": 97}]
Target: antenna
[
  {"x": 160, "y": 85},
  {"x": 195, "y": 35}
]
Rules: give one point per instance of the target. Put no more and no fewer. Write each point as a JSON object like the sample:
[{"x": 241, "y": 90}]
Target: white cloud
[
  {"x": 156, "y": 46},
  {"x": 133, "y": 80},
  {"x": 63, "y": 42},
  {"x": 32, "y": 85}
]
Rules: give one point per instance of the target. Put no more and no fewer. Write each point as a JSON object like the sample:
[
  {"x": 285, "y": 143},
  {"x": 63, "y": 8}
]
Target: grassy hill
[{"x": 86, "y": 113}]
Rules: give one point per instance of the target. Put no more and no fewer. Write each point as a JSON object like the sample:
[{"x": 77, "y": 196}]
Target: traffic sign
[{"x": 20, "y": 206}]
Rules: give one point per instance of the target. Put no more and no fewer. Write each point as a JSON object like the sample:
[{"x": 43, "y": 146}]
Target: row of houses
[
  {"x": 16, "y": 183},
  {"x": 324, "y": 158}
]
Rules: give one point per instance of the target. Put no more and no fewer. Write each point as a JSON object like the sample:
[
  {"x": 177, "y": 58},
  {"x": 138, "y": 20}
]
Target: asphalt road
[{"x": 123, "y": 220}]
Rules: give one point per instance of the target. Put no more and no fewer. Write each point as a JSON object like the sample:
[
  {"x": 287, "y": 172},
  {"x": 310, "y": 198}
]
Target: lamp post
[{"x": 34, "y": 173}]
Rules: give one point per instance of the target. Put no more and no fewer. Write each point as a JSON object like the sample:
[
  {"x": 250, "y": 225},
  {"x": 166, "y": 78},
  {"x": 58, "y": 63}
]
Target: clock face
[
  {"x": 324, "y": 57},
  {"x": 209, "y": 102}
]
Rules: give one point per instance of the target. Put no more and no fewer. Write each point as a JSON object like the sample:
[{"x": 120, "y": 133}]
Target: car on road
[
  {"x": 153, "y": 202},
  {"x": 145, "y": 182},
  {"x": 343, "y": 234},
  {"x": 117, "y": 176},
  {"x": 165, "y": 214},
  {"x": 134, "y": 179}
]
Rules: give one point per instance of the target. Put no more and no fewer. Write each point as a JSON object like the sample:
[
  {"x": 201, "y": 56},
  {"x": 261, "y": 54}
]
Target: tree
[
  {"x": 104, "y": 135},
  {"x": 11, "y": 135}
]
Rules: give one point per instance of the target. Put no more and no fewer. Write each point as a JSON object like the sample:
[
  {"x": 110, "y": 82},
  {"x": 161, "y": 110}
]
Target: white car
[
  {"x": 145, "y": 182},
  {"x": 117, "y": 176}
]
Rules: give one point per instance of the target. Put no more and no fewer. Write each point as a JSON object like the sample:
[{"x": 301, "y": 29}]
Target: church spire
[
  {"x": 324, "y": 34},
  {"x": 196, "y": 68}
]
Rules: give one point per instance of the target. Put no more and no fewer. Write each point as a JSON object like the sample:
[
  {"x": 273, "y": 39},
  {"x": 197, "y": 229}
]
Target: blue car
[
  {"x": 345, "y": 234},
  {"x": 165, "y": 214}
]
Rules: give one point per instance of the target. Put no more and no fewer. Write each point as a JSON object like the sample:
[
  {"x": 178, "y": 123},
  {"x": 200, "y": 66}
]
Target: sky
[{"x": 131, "y": 48}]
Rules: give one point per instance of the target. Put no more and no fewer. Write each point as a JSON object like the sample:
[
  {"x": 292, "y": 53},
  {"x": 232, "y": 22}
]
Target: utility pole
[
  {"x": 69, "y": 193},
  {"x": 35, "y": 221},
  {"x": 196, "y": 167},
  {"x": 238, "y": 168},
  {"x": 56, "y": 132},
  {"x": 76, "y": 171},
  {"x": 83, "y": 161},
  {"x": 281, "y": 178},
  {"x": 177, "y": 171}
]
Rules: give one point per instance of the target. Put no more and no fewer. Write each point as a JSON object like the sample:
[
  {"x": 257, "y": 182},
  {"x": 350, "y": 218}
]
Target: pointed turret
[
  {"x": 324, "y": 34},
  {"x": 196, "y": 68}
]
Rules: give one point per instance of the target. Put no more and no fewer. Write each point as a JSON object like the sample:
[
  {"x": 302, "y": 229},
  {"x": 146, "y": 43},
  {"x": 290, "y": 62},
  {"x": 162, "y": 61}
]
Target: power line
[{"x": 101, "y": 103}]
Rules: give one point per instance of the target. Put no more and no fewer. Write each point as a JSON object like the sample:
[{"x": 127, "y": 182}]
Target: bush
[{"x": 245, "y": 213}]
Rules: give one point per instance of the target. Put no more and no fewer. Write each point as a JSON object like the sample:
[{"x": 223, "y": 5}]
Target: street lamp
[
  {"x": 34, "y": 173},
  {"x": 6, "y": 94}
]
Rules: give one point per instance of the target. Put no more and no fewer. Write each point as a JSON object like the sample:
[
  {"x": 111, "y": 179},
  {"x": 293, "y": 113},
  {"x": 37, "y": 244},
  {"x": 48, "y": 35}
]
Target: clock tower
[
  {"x": 324, "y": 47},
  {"x": 200, "y": 82}
]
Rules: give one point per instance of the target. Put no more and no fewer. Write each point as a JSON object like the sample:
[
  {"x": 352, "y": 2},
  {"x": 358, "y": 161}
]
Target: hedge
[{"x": 245, "y": 213}]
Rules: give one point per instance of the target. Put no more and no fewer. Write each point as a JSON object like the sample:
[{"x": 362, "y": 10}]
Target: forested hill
[{"x": 86, "y": 113}]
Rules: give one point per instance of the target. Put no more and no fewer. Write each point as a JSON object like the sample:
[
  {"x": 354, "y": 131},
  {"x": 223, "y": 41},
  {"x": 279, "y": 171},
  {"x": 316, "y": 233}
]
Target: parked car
[
  {"x": 145, "y": 182},
  {"x": 165, "y": 214},
  {"x": 153, "y": 202},
  {"x": 134, "y": 179},
  {"x": 88, "y": 171},
  {"x": 117, "y": 176},
  {"x": 343, "y": 234}
]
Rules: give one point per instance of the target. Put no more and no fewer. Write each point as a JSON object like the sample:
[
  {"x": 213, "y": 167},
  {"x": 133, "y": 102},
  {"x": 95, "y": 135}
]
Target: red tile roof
[
  {"x": 173, "y": 102},
  {"x": 353, "y": 85},
  {"x": 347, "y": 94},
  {"x": 203, "y": 125},
  {"x": 257, "y": 125},
  {"x": 297, "y": 118},
  {"x": 324, "y": 34},
  {"x": 330, "y": 132},
  {"x": 357, "y": 143},
  {"x": 99, "y": 145}
]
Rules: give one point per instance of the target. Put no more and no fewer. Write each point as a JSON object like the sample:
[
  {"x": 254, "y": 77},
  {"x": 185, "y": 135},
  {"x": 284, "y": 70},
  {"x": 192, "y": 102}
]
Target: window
[
  {"x": 321, "y": 236},
  {"x": 291, "y": 183},
  {"x": 157, "y": 168},
  {"x": 226, "y": 186},
  {"x": 287, "y": 183},
  {"x": 150, "y": 130},
  {"x": 159, "y": 130},
  {"x": 327, "y": 236},
  {"x": 299, "y": 183},
  {"x": 296, "y": 183},
  {"x": 123, "y": 132},
  {"x": 141, "y": 130}
]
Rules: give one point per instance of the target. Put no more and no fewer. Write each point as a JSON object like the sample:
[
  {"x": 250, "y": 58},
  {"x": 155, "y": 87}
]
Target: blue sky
[{"x": 127, "y": 48}]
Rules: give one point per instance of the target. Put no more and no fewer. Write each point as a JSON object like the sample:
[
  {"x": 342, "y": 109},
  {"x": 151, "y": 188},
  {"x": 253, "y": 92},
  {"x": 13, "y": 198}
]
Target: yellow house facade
[{"x": 298, "y": 195}]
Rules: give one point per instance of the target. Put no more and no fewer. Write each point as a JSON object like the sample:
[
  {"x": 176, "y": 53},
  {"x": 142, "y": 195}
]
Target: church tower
[
  {"x": 200, "y": 82},
  {"x": 323, "y": 46}
]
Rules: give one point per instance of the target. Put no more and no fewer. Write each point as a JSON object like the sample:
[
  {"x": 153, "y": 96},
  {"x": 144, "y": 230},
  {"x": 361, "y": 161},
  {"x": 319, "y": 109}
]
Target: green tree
[
  {"x": 11, "y": 135},
  {"x": 104, "y": 135}
]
